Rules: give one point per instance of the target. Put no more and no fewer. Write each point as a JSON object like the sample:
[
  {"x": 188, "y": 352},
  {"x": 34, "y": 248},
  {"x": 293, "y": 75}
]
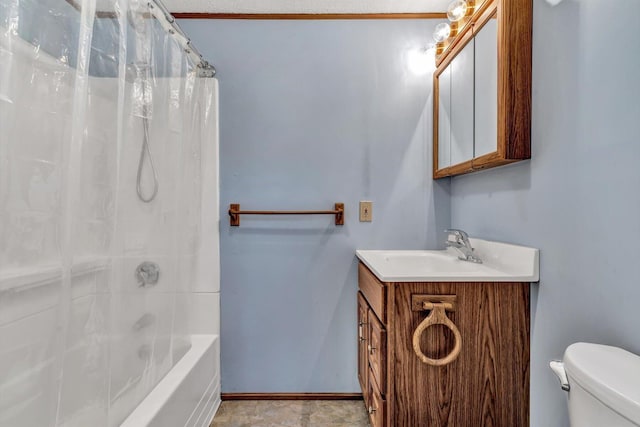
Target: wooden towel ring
[{"x": 438, "y": 316}]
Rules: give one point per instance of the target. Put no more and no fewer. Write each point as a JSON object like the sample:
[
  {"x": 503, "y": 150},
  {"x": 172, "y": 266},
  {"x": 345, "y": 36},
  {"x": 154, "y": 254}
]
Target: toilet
[{"x": 603, "y": 385}]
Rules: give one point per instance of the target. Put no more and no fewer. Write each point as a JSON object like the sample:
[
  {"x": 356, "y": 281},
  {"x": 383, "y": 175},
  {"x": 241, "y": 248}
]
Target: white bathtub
[{"x": 189, "y": 395}]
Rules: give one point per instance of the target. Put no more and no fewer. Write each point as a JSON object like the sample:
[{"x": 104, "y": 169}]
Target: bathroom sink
[{"x": 502, "y": 262}]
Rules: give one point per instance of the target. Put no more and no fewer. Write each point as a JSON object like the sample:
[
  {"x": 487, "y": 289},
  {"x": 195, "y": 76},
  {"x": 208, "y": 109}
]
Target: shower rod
[{"x": 169, "y": 24}]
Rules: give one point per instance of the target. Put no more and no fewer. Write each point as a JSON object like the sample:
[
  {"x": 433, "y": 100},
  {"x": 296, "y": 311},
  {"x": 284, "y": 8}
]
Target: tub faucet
[{"x": 459, "y": 240}]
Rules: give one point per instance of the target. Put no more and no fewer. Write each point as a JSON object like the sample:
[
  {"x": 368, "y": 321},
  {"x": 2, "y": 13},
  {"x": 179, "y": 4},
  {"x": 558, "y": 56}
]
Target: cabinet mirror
[{"x": 482, "y": 91}]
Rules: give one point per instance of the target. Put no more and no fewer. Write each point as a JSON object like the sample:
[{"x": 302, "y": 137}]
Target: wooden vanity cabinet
[{"x": 486, "y": 385}]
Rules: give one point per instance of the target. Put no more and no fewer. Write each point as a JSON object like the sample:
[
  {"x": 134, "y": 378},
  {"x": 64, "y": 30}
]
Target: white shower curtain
[{"x": 82, "y": 340}]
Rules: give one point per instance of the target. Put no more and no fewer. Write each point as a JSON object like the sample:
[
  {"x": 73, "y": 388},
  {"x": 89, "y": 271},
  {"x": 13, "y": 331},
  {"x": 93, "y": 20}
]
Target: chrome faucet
[{"x": 459, "y": 240}]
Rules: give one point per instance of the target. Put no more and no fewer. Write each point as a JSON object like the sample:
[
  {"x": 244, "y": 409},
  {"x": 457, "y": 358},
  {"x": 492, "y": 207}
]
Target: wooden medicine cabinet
[{"x": 482, "y": 90}]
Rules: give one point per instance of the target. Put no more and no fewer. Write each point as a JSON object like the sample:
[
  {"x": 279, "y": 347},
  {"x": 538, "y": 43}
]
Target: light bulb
[
  {"x": 457, "y": 10},
  {"x": 441, "y": 32},
  {"x": 421, "y": 61}
]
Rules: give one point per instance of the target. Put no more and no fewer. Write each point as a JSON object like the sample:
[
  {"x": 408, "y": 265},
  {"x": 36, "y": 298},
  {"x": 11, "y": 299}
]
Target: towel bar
[{"x": 235, "y": 212}]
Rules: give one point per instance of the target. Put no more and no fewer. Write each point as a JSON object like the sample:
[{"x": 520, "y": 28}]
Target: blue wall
[
  {"x": 578, "y": 199},
  {"x": 312, "y": 113},
  {"x": 317, "y": 112}
]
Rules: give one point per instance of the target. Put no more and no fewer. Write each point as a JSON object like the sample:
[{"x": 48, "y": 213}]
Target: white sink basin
[{"x": 502, "y": 262}]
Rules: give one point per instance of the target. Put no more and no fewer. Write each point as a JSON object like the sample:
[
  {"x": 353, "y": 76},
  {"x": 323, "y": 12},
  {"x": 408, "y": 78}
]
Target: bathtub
[{"x": 189, "y": 395}]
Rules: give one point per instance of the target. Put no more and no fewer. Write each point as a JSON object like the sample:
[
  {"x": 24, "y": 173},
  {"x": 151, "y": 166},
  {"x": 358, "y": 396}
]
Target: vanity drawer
[
  {"x": 374, "y": 292},
  {"x": 377, "y": 349},
  {"x": 363, "y": 341},
  {"x": 377, "y": 406}
]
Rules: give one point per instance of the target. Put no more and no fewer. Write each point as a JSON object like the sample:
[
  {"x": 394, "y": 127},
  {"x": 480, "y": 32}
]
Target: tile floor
[{"x": 298, "y": 413}]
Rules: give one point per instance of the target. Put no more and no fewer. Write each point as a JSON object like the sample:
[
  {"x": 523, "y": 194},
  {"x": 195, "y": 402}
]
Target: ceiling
[{"x": 307, "y": 6}]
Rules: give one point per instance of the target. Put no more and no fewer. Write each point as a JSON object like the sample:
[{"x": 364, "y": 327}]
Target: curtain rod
[{"x": 168, "y": 22}]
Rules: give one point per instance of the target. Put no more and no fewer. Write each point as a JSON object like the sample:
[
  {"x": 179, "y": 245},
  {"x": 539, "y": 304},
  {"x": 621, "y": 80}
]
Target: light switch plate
[{"x": 366, "y": 211}]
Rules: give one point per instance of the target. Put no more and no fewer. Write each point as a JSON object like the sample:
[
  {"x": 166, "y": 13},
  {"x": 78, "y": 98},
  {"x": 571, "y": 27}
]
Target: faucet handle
[{"x": 459, "y": 234}]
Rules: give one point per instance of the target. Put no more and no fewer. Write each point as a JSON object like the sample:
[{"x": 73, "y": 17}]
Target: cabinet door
[
  {"x": 486, "y": 90},
  {"x": 377, "y": 406},
  {"x": 363, "y": 340},
  {"x": 378, "y": 351},
  {"x": 444, "y": 118},
  {"x": 461, "y": 117},
  {"x": 488, "y": 384}
]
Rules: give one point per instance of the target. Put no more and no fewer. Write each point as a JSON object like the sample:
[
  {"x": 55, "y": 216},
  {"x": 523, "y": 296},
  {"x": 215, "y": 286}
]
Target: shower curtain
[{"x": 84, "y": 84}]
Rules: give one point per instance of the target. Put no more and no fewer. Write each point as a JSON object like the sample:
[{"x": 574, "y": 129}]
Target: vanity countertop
[{"x": 502, "y": 262}]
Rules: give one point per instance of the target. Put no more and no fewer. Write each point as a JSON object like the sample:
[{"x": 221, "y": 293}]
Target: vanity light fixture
[
  {"x": 442, "y": 32},
  {"x": 459, "y": 13},
  {"x": 457, "y": 10}
]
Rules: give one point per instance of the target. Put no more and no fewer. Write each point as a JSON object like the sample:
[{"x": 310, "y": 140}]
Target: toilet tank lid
[{"x": 610, "y": 374}]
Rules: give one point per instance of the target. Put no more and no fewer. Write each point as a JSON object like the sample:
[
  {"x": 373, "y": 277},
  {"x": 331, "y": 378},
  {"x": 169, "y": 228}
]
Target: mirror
[
  {"x": 462, "y": 93},
  {"x": 476, "y": 126},
  {"x": 456, "y": 106},
  {"x": 444, "y": 119},
  {"x": 485, "y": 137}
]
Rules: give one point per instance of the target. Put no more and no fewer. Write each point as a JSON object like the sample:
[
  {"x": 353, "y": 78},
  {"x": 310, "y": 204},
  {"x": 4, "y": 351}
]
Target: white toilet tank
[{"x": 604, "y": 385}]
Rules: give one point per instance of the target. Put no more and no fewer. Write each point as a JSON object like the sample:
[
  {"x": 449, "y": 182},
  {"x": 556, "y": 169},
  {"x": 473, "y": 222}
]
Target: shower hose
[{"x": 146, "y": 152}]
